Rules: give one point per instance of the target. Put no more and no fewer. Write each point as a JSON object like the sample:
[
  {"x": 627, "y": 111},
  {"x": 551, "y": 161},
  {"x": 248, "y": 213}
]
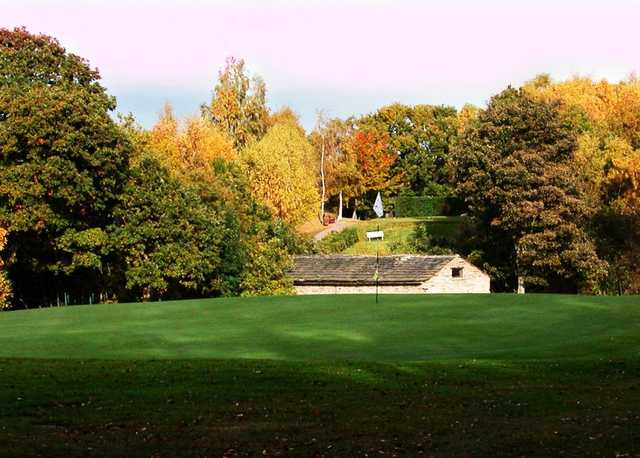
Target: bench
[{"x": 375, "y": 235}]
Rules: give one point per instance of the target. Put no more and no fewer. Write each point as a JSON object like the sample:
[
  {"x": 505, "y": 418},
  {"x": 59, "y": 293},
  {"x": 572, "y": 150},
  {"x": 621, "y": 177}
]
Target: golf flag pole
[
  {"x": 377, "y": 274},
  {"x": 379, "y": 211}
]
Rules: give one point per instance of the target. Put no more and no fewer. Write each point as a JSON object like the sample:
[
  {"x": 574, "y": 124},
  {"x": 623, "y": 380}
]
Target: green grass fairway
[
  {"x": 325, "y": 376},
  {"x": 399, "y": 328}
]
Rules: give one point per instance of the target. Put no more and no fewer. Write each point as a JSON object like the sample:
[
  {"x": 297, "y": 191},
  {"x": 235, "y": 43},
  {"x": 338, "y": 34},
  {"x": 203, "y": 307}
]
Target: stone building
[{"x": 400, "y": 274}]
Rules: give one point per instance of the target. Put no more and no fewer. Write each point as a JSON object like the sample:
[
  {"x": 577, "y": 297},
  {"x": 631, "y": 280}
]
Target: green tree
[
  {"x": 258, "y": 263},
  {"x": 238, "y": 105},
  {"x": 515, "y": 169},
  {"x": 63, "y": 163},
  {"x": 166, "y": 238},
  {"x": 420, "y": 137}
]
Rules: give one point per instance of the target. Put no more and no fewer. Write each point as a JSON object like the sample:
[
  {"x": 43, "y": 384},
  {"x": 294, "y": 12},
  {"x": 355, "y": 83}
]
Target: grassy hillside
[
  {"x": 399, "y": 328},
  {"x": 397, "y": 232}
]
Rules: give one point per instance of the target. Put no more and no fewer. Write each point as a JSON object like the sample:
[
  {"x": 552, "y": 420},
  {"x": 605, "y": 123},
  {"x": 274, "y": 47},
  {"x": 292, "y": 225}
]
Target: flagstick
[
  {"x": 379, "y": 210},
  {"x": 377, "y": 263}
]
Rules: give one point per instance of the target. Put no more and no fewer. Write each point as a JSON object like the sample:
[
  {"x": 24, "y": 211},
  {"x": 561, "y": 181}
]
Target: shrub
[
  {"x": 339, "y": 241},
  {"x": 436, "y": 237}
]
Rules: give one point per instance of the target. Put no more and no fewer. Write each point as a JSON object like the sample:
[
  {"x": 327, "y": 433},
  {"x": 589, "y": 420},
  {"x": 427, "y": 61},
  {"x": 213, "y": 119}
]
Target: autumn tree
[
  {"x": 466, "y": 116},
  {"x": 514, "y": 167},
  {"x": 285, "y": 115},
  {"x": 370, "y": 152},
  {"x": 281, "y": 171},
  {"x": 339, "y": 168},
  {"x": 63, "y": 163},
  {"x": 610, "y": 107},
  {"x": 420, "y": 137},
  {"x": 253, "y": 257},
  {"x": 238, "y": 105},
  {"x": 189, "y": 148},
  {"x": 5, "y": 286},
  {"x": 606, "y": 117},
  {"x": 257, "y": 260}
]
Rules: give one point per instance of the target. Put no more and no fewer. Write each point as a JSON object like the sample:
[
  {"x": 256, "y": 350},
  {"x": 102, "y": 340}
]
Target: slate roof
[{"x": 342, "y": 270}]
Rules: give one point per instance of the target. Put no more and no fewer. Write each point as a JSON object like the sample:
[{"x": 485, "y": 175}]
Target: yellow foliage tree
[
  {"x": 608, "y": 158},
  {"x": 281, "y": 170},
  {"x": 623, "y": 179},
  {"x": 467, "y": 114},
  {"x": 189, "y": 150},
  {"x": 285, "y": 115},
  {"x": 612, "y": 107},
  {"x": 609, "y": 146},
  {"x": 5, "y": 286}
]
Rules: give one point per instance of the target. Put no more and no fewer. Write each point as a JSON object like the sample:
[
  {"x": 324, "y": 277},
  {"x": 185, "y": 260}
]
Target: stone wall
[
  {"x": 358, "y": 289},
  {"x": 473, "y": 280}
]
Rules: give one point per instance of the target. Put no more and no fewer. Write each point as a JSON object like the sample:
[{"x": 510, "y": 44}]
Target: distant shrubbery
[
  {"x": 421, "y": 206},
  {"x": 339, "y": 241}
]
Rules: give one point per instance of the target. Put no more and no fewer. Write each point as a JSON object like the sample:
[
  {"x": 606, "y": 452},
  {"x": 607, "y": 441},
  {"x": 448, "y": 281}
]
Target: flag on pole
[{"x": 377, "y": 206}]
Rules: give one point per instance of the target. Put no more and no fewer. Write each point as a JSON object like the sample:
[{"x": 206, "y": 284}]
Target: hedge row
[{"x": 407, "y": 206}]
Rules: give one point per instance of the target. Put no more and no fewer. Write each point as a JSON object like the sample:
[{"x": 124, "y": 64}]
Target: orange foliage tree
[
  {"x": 368, "y": 149},
  {"x": 189, "y": 150}
]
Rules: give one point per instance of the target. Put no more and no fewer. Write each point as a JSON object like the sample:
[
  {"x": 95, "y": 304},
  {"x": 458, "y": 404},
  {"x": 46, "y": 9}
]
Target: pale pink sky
[{"x": 342, "y": 57}]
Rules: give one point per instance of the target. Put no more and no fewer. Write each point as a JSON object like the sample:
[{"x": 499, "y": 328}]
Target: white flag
[{"x": 377, "y": 206}]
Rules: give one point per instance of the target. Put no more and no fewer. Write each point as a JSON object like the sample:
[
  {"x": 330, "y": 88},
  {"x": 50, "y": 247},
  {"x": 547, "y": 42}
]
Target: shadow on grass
[{"x": 322, "y": 408}]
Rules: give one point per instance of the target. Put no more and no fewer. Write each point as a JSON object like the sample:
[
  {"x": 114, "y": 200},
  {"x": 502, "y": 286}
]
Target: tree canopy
[
  {"x": 514, "y": 167},
  {"x": 63, "y": 164},
  {"x": 238, "y": 105},
  {"x": 97, "y": 209},
  {"x": 420, "y": 137},
  {"x": 282, "y": 173}
]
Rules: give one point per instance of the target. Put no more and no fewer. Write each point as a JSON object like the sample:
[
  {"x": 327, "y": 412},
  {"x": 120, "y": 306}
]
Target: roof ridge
[{"x": 374, "y": 256}]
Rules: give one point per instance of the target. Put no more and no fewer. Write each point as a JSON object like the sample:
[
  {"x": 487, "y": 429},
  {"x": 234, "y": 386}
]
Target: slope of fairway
[{"x": 399, "y": 328}]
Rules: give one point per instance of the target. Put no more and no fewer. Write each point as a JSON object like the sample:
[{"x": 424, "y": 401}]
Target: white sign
[
  {"x": 373, "y": 235},
  {"x": 377, "y": 206}
]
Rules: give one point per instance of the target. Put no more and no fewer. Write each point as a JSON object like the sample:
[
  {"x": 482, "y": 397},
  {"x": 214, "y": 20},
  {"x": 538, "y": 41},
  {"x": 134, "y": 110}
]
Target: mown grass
[
  {"x": 284, "y": 408},
  {"x": 486, "y": 375},
  {"x": 352, "y": 327},
  {"x": 397, "y": 232}
]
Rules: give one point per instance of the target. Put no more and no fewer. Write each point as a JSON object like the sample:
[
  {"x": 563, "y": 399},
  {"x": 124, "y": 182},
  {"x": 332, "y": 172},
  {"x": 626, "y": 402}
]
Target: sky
[{"x": 341, "y": 57}]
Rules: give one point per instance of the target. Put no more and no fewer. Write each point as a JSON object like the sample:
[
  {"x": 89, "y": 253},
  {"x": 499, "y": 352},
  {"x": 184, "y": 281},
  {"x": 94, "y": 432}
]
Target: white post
[{"x": 323, "y": 183}]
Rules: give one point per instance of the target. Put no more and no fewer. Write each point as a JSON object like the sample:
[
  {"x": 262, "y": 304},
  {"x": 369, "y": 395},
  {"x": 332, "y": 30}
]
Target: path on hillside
[{"x": 338, "y": 226}]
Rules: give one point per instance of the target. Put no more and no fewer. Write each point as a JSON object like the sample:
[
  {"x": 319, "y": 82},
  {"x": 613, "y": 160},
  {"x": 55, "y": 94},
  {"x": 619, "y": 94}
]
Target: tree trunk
[
  {"x": 339, "y": 206},
  {"x": 519, "y": 278},
  {"x": 323, "y": 183}
]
